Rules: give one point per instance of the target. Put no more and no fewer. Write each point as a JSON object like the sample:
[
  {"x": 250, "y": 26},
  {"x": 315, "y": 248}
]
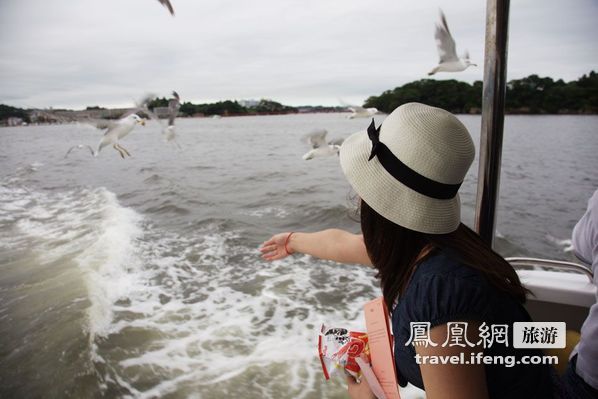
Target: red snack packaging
[{"x": 338, "y": 348}]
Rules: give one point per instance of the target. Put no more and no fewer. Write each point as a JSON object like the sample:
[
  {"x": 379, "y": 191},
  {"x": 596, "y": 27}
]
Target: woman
[{"x": 433, "y": 269}]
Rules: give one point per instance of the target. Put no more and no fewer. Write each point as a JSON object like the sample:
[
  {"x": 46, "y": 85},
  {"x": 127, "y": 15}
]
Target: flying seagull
[
  {"x": 359, "y": 112},
  {"x": 166, "y": 3},
  {"x": 319, "y": 146},
  {"x": 447, "y": 50},
  {"x": 173, "y": 109},
  {"x": 168, "y": 131},
  {"x": 115, "y": 130}
]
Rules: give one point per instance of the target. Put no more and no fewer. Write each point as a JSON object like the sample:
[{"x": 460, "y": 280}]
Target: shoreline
[{"x": 74, "y": 121}]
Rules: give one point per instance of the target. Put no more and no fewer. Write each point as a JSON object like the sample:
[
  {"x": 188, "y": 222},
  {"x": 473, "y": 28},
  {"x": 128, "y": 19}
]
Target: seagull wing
[
  {"x": 337, "y": 142},
  {"x": 99, "y": 123},
  {"x": 166, "y": 3},
  {"x": 173, "y": 108},
  {"x": 357, "y": 109},
  {"x": 444, "y": 41},
  {"x": 142, "y": 105},
  {"x": 316, "y": 138},
  {"x": 79, "y": 146},
  {"x": 152, "y": 115},
  {"x": 351, "y": 107}
]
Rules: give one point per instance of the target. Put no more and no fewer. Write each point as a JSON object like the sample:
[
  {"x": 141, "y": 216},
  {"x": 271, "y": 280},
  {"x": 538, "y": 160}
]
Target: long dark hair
[{"x": 394, "y": 252}]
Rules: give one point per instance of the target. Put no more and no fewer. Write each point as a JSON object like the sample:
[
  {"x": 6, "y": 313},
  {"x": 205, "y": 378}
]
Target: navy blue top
[{"x": 442, "y": 289}]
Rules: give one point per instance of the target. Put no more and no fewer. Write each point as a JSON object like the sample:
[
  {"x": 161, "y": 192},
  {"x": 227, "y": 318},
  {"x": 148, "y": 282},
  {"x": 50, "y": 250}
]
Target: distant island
[
  {"x": 13, "y": 116},
  {"x": 530, "y": 95}
]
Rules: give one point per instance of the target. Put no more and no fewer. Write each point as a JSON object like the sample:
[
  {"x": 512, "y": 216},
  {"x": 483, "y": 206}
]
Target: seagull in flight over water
[
  {"x": 359, "y": 112},
  {"x": 447, "y": 50},
  {"x": 168, "y": 131},
  {"x": 116, "y": 130},
  {"x": 173, "y": 109},
  {"x": 319, "y": 146}
]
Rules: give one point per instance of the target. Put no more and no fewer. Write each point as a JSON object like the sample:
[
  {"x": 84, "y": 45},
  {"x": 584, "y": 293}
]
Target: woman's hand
[{"x": 274, "y": 248}]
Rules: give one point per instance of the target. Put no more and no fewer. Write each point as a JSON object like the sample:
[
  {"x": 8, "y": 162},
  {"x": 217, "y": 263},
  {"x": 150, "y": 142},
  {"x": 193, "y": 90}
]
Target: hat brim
[{"x": 391, "y": 198}]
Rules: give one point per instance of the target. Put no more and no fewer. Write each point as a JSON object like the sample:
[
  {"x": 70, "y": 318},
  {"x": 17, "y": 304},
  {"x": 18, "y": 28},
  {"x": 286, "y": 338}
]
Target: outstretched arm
[{"x": 332, "y": 244}]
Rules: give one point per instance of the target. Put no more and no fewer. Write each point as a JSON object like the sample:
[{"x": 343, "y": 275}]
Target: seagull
[
  {"x": 115, "y": 131},
  {"x": 360, "y": 112},
  {"x": 173, "y": 109},
  {"x": 166, "y": 3},
  {"x": 319, "y": 146},
  {"x": 168, "y": 131},
  {"x": 447, "y": 50}
]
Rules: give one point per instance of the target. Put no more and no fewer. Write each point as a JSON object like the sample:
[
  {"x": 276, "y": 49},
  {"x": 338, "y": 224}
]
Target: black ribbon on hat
[
  {"x": 404, "y": 173},
  {"x": 374, "y": 135}
]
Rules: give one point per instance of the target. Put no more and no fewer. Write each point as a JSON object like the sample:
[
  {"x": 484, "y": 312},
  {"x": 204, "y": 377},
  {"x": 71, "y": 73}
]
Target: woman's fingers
[
  {"x": 273, "y": 255},
  {"x": 267, "y": 248},
  {"x": 269, "y": 242}
]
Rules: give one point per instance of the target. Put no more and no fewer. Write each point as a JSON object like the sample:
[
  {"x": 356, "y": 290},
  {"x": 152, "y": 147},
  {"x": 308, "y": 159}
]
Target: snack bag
[{"x": 338, "y": 348}]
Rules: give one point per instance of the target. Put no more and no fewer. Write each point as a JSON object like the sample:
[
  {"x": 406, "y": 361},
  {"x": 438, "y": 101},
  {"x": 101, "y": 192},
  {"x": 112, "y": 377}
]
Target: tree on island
[
  {"x": 6, "y": 111},
  {"x": 229, "y": 107},
  {"x": 269, "y": 106},
  {"x": 530, "y": 95}
]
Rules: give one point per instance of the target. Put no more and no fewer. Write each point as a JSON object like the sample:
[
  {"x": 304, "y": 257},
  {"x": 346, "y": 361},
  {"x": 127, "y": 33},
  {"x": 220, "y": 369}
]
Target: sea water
[{"x": 141, "y": 277}]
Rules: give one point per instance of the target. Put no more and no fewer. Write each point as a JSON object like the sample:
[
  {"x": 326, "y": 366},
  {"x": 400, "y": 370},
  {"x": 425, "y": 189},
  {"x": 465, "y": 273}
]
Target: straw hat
[{"x": 410, "y": 168}]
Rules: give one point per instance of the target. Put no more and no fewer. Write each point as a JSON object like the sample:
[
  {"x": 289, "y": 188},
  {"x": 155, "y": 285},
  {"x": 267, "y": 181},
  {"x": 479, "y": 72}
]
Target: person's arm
[
  {"x": 332, "y": 244},
  {"x": 453, "y": 381}
]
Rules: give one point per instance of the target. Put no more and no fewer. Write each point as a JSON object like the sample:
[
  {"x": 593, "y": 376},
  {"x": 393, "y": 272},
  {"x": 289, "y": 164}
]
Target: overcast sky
[{"x": 75, "y": 53}]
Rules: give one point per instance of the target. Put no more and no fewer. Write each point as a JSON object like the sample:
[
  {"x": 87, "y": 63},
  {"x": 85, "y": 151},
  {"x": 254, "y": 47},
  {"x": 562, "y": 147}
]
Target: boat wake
[{"x": 171, "y": 312}]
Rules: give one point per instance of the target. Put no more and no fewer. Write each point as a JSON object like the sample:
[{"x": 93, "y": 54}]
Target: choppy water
[{"x": 141, "y": 277}]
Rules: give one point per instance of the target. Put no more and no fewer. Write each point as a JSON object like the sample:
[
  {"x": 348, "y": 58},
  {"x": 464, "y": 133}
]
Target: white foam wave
[
  {"x": 110, "y": 265},
  {"x": 86, "y": 226},
  {"x": 563, "y": 243}
]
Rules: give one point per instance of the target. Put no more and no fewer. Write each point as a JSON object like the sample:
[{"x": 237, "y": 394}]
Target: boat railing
[{"x": 519, "y": 262}]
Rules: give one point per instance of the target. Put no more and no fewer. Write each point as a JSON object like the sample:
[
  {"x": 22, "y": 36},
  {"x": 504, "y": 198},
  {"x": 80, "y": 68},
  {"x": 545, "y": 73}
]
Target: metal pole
[{"x": 493, "y": 105}]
